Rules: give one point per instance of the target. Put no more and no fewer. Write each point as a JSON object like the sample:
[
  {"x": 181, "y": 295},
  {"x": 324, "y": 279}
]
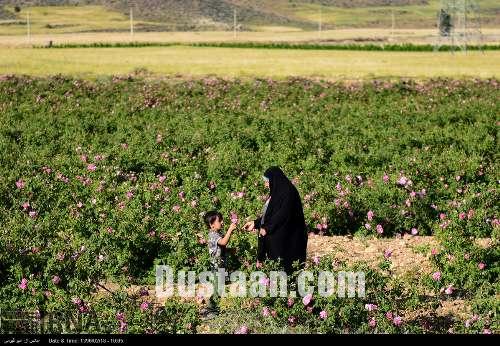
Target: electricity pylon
[{"x": 459, "y": 25}]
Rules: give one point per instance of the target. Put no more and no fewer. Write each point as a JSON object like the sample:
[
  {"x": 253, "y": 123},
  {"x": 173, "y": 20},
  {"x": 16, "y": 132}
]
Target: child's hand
[{"x": 232, "y": 227}]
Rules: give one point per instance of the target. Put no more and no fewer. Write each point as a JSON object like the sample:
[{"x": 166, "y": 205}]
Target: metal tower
[{"x": 459, "y": 25}]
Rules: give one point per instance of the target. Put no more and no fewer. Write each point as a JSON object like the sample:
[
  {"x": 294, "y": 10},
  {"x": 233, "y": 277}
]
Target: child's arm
[{"x": 225, "y": 240}]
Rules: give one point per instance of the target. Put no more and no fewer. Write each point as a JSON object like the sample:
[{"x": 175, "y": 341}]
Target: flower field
[{"x": 102, "y": 180}]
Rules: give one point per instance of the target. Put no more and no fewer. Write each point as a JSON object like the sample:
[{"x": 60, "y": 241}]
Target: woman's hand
[
  {"x": 262, "y": 232},
  {"x": 249, "y": 226}
]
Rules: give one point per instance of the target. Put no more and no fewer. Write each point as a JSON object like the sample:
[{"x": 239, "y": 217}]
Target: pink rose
[
  {"x": 265, "y": 312},
  {"x": 380, "y": 229},
  {"x": 120, "y": 316},
  {"x": 316, "y": 260},
  {"x": 385, "y": 178},
  {"x": 20, "y": 184},
  {"x": 402, "y": 180},
  {"x": 307, "y": 299},
  {"x": 264, "y": 281},
  {"x": 370, "y": 215},
  {"x": 242, "y": 330},
  {"x": 144, "y": 306},
  {"x": 436, "y": 276},
  {"x": 234, "y": 217},
  {"x": 397, "y": 321},
  {"x": 123, "y": 326},
  {"x": 24, "y": 284}
]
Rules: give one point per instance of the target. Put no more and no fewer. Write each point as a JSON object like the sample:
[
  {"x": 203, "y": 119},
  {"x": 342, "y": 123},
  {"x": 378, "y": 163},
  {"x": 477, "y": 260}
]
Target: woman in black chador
[{"x": 282, "y": 228}]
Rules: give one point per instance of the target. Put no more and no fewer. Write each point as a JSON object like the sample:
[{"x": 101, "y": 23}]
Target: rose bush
[{"x": 102, "y": 180}]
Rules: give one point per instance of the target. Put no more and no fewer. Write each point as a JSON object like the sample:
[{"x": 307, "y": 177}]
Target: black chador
[{"x": 283, "y": 220}]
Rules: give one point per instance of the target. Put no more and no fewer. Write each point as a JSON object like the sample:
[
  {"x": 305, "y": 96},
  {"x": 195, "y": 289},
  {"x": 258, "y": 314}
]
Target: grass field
[
  {"x": 66, "y": 19},
  {"x": 416, "y": 36},
  {"x": 416, "y": 16},
  {"x": 237, "y": 62}
]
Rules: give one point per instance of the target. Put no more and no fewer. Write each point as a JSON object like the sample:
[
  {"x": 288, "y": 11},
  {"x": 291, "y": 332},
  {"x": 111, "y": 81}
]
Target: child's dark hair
[{"x": 211, "y": 216}]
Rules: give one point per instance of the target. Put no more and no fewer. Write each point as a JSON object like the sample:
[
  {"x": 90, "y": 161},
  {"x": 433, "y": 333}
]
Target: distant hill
[
  {"x": 218, "y": 14},
  {"x": 365, "y": 3}
]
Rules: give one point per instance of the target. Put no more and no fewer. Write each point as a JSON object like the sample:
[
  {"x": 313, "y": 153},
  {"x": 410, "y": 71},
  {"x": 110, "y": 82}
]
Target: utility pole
[
  {"x": 131, "y": 22},
  {"x": 29, "y": 26},
  {"x": 466, "y": 34},
  {"x": 320, "y": 21},
  {"x": 393, "y": 24},
  {"x": 234, "y": 23}
]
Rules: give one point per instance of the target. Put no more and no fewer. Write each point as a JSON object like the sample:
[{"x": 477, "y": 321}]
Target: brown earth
[{"x": 409, "y": 253}]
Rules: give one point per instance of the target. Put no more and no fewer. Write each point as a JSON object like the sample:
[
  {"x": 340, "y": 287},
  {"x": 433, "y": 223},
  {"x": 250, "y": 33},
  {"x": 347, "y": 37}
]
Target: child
[
  {"x": 217, "y": 243},
  {"x": 217, "y": 249}
]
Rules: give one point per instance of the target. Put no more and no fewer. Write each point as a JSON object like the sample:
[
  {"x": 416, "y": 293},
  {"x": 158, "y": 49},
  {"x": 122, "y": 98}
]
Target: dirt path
[{"x": 409, "y": 253}]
